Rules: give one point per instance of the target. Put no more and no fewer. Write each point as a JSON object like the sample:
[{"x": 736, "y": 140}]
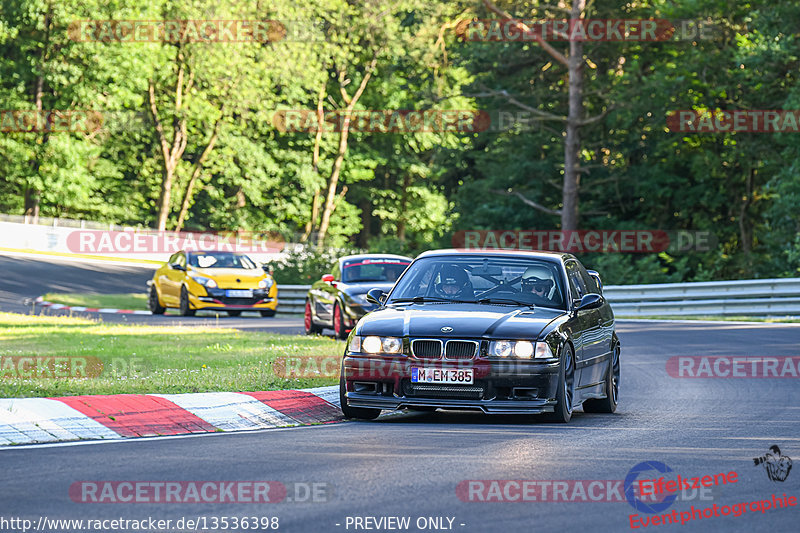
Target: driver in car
[
  {"x": 454, "y": 284},
  {"x": 538, "y": 282}
]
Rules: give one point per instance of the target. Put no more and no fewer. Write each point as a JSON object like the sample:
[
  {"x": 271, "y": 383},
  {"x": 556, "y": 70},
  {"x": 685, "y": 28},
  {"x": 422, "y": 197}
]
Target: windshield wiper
[
  {"x": 506, "y": 301},
  {"x": 423, "y": 299}
]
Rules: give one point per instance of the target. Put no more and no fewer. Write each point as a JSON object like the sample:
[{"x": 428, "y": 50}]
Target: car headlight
[
  {"x": 265, "y": 283},
  {"x": 392, "y": 345},
  {"x": 519, "y": 349},
  {"x": 523, "y": 349},
  {"x": 500, "y": 348},
  {"x": 205, "y": 282},
  {"x": 373, "y": 344},
  {"x": 543, "y": 351},
  {"x": 355, "y": 344}
]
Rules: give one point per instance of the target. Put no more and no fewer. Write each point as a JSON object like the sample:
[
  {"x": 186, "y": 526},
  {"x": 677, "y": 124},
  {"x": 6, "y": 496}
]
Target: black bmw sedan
[
  {"x": 339, "y": 299},
  {"x": 494, "y": 331}
]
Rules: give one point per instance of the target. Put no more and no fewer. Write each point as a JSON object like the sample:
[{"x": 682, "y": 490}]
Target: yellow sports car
[{"x": 214, "y": 281}]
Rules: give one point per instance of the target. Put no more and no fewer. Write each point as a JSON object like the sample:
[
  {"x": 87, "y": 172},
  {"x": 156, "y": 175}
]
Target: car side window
[
  {"x": 588, "y": 281},
  {"x": 180, "y": 258},
  {"x": 576, "y": 285},
  {"x": 172, "y": 259}
]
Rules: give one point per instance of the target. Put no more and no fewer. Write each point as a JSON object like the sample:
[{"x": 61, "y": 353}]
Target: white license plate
[
  {"x": 457, "y": 376},
  {"x": 239, "y": 293}
]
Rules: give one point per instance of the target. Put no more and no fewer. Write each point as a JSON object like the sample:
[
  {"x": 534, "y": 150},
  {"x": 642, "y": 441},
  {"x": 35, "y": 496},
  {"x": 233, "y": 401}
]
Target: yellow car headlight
[{"x": 205, "y": 282}]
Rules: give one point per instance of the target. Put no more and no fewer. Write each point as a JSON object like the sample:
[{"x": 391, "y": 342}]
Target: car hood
[{"x": 466, "y": 321}]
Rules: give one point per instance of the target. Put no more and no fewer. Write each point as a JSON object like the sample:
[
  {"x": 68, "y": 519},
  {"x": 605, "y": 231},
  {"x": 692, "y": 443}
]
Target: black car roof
[
  {"x": 548, "y": 256},
  {"x": 375, "y": 256}
]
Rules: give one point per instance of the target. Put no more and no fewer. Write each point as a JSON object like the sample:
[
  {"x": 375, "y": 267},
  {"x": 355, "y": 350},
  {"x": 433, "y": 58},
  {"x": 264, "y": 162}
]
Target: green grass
[
  {"x": 167, "y": 359},
  {"x": 110, "y": 301},
  {"x": 715, "y": 317}
]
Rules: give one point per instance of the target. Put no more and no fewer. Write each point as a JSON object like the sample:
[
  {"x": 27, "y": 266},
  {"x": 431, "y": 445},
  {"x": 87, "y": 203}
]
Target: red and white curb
[
  {"x": 50, "y": 305},
  {"x": 72, "y": 418}
]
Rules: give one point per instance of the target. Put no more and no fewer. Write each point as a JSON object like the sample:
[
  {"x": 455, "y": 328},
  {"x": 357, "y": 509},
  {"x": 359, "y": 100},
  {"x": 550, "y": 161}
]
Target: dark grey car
[
  {"x": 339, "y": 299},
  {"x": 500, "y": 332}
]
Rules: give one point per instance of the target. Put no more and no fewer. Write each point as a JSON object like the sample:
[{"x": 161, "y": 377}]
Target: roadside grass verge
[
  {"x": 148, "y": 359},
  {"x": 134, "y": 300}
]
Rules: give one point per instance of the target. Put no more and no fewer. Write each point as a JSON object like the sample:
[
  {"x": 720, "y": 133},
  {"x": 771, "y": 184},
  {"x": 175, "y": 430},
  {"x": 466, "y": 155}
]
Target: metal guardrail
[
  {"x": 57, "y": 222},
  {"x": 292, "y": 298},
  {"x": 759, "y": 297}
]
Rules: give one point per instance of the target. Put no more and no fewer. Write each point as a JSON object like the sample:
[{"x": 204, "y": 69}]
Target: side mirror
[
  {"x": 267, "y": 269},
  {"x": 328, "y": 278},
  {"x": 590, "y": 301},
  {"x": 596, "y": 277},
  {"x": 177, "y": 266},
  {"x": 376, "y": 296}
]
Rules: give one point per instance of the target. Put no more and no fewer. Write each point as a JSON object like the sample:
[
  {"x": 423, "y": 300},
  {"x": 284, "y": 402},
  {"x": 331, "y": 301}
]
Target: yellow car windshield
[{"x": 220, "y": 260}]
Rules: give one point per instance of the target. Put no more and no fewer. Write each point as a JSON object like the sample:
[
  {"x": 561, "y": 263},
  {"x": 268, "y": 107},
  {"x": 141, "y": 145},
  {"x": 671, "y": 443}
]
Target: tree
[{"x": 574, "y": 63}]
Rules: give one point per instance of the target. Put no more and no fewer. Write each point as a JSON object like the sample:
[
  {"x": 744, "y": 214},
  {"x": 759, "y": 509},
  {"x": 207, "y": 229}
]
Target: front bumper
[
  {"x": 499, "y": 387},
  {"x": 215, "y": 300}
]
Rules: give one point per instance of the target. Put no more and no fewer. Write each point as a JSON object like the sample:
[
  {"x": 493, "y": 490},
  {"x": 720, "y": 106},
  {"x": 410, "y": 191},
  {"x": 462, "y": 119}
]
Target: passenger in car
[
  {"x": 454, "y": 283},
  {"x": 536, "y": 280}
]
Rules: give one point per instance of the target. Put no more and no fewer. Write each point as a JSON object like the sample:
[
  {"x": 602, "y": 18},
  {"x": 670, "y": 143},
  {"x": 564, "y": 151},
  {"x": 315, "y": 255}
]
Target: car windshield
[
  {"x": 385, "y": 269},
  {"x": 482, "y": 279},
  {"x": 220, "y": 260}
]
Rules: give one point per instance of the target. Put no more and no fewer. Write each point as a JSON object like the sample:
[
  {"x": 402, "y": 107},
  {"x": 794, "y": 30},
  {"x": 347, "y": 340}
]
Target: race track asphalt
[
  {"x": 23, "y": 278},
  {"x": 411, "y": 466}
]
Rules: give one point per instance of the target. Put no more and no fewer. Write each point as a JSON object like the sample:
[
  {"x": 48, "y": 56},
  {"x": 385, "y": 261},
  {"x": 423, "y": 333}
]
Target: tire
[
  {"x": 338, "y": 322},
  {"x": 609, "y": 403},
  {"x": 361, "y": 413},
  {"x": 308, "y": 321},
  {"x": 267, "y": 313},
  {"x": 562, "y": 412},
  {"x": 153, "y": 302},
  {"x": 186, "y": 308},
  {"x": 234, "y": 313}
]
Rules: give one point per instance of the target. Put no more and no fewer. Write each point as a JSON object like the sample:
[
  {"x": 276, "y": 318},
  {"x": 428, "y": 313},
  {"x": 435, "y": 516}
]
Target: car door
[
  {"x": 591, "y": 322},
  {"x": 163, "y": 281},
  {"x": 601, "y": 342},
  {"x": 582, "y": 332},
  {"x": 324, "y": 296},
  {"x": 174, "y": 279}
]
